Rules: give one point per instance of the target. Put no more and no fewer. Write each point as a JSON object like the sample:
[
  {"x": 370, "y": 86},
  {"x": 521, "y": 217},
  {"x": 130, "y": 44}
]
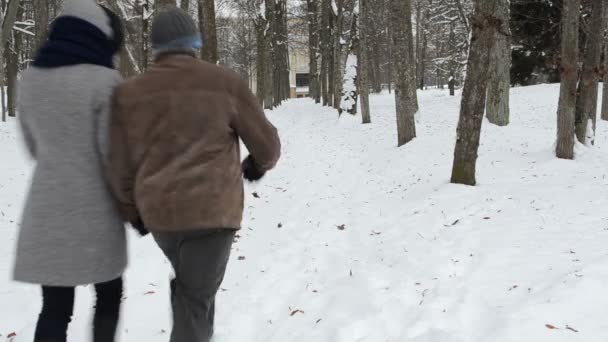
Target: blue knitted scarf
[{"x": 74, "y": 41}]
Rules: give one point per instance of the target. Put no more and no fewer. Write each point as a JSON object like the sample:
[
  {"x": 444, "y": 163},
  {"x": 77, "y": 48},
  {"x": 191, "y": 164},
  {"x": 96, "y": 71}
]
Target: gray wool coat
[{"x": 71, "y": 231}]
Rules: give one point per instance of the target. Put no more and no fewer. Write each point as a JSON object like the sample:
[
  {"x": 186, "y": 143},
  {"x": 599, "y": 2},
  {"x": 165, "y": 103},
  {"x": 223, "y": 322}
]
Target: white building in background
[{"x": 299, "y": 73}]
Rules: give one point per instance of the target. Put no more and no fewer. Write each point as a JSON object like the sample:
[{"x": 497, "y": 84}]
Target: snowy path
[{"x": 417, "y": 259}]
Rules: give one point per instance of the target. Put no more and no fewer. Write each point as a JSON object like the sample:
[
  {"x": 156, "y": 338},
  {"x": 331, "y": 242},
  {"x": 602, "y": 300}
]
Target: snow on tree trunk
[
  {"x": 497, "y": 109},
  {"x": 206, "y": 15},
  {"x": 569, "y": 78},
  {"x": 349, "y": 99},
  {"x": 587, "y": 100},
  {"x": 604, "y": 68},
  {"x": 452, "y": 85},
  {"x": 363, "y": 60},
  {"x": 401, "y": 27},
  {"x": 484, "y": 25},
  {"x": 325, "y": 53},
  {"x": 261, "y": 57}
]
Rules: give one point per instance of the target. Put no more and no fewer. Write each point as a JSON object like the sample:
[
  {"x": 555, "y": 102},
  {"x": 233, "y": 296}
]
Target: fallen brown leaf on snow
[
  {"x": 296, "y": 312},
  {"x": 549, "y": 326}
]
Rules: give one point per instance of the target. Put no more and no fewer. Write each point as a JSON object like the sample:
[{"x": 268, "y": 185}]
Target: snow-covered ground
[{"x": 352, "y": 239}]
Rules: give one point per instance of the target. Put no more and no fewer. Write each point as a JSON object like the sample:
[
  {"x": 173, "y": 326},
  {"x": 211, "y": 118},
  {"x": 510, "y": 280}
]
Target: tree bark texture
[
  {"x": 313, "y": 46},
  {"x": 185, "y": 5},
  {"x": 497, "y": 109},
  {"x": 281, "y": 84},
  {"x": 261, "y": 58},
  {"x": 605, "y": 70},
  {"x": 569, "y": 78},
  {"x": 325, "y": 49},
  {"x": 337, "y": 40},
  {"x": 10, "y": 16},
  {"x": 363, "y": 61},
  {"x": 206, "y": 17},
  {"x": 41, "y": 21},
  {"x": 484, "y": 25},
  {"x": 402, "y": 61},
  {"x": 586, "y": 114}
]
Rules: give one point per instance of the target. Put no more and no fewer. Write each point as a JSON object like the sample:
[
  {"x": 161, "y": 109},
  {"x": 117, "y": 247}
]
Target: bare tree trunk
[
  {"x": 363, "y": 62},
  {"x": 423, "y": 49},
  {"x": 605, "y": 69},
  {"x": 185, "y": 5},
  {"x": 586, "y": 114},
  {"x": 325, "y": 53},
  {"x": 338, "y": 70},
  {"x": 144, "y": 54},
  {"x": 10, "y": 16},
  {"x": 569, "y": 75},
  {"x": 41, "y": 19},
  {"x": 13, "y": 54},
  {"x": 206, "y": 15},
  {"x": 261, "y": 58},
  {"x": 484, "y": 25},
  {"x": 401, "y": 18},
  {"x": 497, "y": 109},
  {"x": 12, "y": 71},
  {"x": 268, "y": 78},
  {"x": 313, "y": 31},
  {"x": 280, "y": 50}
]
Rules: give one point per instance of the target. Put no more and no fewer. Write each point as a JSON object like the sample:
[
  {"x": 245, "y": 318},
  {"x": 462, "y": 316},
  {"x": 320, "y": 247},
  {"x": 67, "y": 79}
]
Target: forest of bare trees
[{"x": 359, "y": 47}]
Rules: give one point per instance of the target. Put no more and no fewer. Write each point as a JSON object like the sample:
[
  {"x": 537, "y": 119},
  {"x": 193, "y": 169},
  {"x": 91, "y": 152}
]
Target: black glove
[
  {"x": 251, "y": 171},
  {"x": 139, "y": 226}
]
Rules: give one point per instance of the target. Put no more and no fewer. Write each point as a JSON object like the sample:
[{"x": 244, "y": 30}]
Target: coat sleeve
[
  {"x": 256, "y": 131},
  {"x": 121, "y": 171}
]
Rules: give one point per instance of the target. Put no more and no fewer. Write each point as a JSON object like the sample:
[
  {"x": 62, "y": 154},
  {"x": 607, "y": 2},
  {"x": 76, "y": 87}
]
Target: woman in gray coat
[{"x": 71, "y": 232}]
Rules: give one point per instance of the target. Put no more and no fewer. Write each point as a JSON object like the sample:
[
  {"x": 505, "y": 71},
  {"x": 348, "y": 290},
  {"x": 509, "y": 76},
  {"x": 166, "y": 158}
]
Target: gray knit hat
[
  {"x": 174, "y": 31},
  {"x": 91, "y": 12}
]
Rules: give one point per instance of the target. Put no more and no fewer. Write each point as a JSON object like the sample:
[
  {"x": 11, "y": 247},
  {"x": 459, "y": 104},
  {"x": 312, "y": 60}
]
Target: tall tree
[
  {"x": 586, "y": 109},
  {"x": 569, "y": 74},
  {"x": 325, "y": 49},
  {"x": 485, "y": 26},
  {"x": 605, "y": 68},
  {"x": 8, "y": 20},
  {"x": 12, "y": 55},
  {"x": 206, "y": 15},
  {"x": 185, "y": 5},
  {"x": 337, "y": 46},
  {"x": 280, "y": 55},
  {"x": 41, "y": 21},
  {"x": 401, "y": 28},
  {"x": 497, "y": 109},
  {"x": 261, "y": 28},
  {"x": 313, "y": 48},
  {"x": 363, "y": 61}
]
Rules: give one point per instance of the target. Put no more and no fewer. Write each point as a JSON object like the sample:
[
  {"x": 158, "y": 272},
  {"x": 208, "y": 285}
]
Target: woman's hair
[{"x": 118, "y": 37}]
